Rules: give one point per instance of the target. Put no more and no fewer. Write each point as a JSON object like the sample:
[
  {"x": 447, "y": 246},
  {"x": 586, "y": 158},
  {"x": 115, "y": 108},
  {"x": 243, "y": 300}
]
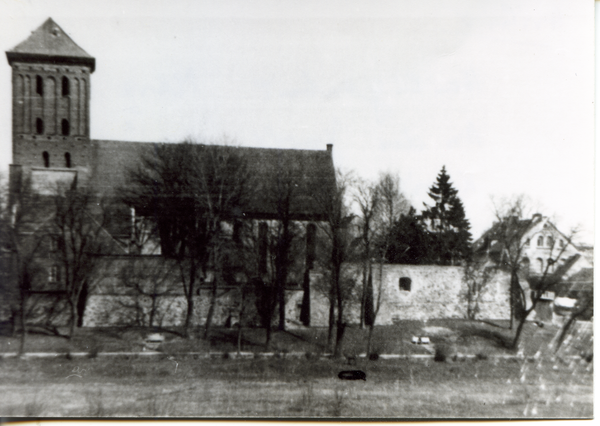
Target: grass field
[
  {"x": 174, "y": 384},
  {"x": 188, "y": 387}
]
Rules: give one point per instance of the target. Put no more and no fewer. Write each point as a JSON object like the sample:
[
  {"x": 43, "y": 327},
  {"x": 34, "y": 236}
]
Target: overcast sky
[{"x": 500, "y": 92}]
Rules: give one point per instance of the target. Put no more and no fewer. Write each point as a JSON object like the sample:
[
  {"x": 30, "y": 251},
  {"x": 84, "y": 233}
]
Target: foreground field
[{"x": 280, "y": 387}]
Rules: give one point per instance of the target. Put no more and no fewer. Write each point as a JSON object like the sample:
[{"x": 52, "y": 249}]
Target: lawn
[
  {"x": 283, "y": 387},
  {"x": 468, "y": 337},
  {"x": 294, "y": 381}
]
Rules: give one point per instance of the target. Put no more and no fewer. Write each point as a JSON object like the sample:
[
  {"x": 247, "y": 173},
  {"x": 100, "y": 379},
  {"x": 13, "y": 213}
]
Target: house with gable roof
[{"x": 548, "y": 254}]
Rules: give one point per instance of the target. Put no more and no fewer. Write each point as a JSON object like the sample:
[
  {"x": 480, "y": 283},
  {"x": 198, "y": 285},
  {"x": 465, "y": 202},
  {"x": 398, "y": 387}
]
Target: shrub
[{"x": 441, "y": 353}]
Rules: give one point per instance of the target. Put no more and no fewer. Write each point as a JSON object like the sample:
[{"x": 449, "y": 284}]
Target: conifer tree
[{"x": 447, "y": 223}]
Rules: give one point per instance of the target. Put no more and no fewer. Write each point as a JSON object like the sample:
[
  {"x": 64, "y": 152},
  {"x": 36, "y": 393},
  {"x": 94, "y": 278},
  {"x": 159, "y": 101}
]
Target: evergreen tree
[
  {"x": 446, "y": 222},
  {"x": 409, "y": 241}
]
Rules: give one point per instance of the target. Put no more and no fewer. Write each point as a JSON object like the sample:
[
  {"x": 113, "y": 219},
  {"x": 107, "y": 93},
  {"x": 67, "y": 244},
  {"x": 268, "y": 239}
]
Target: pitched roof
[
  {"x": 309, "y": 170},
  {"x": 517, "y": 227},
  {"x": 50, "y": 43}
]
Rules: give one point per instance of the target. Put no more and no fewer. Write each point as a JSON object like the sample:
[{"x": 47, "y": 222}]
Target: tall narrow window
[
  {"x": 39, "y": 126},
  {"x": 46, "y": 158},
  {"x": 540, "y": 241},
  {"x": 67, "y": 160},
  {"x": 65, "y": 128},
  {"x": 549, "y": 241},
  {"x": 550, "y": 265},
  {"x": 54, "y": 274},
  {"x": 39, "y": 85},
  {"x": 540, "y": 265},
  {"x": 65, "y": 87}
]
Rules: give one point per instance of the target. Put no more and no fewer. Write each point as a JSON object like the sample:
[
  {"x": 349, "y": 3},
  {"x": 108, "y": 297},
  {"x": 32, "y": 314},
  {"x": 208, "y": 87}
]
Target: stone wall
[{"x": 435, "y": 292}]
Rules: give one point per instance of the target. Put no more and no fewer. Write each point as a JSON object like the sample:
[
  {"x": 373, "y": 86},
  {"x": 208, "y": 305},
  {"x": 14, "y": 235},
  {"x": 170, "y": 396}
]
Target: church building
[{"x": 52, "y": 145}]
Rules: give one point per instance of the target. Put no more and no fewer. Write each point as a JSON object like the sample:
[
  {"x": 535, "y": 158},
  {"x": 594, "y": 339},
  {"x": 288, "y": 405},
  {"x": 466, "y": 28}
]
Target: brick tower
[{"x": 50, "y": 105}]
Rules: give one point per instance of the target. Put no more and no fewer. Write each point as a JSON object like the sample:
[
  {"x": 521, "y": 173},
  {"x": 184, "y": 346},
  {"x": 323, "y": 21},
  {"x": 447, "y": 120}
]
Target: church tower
[{"x": 50, "y": 103}]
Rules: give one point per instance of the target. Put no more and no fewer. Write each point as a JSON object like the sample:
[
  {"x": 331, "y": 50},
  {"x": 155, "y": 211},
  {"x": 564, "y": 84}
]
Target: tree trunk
[
  {"x": 211, "y": 309},
  {"x": 190, "y": 300},
  {"x": 23, "y": 325},
  {"x": 371, "y": 328},
  {"x": 305, "y": 310},
  {"x": 331, "y": 319},
  {"x": 518, "y": 332},
  {"x": 73, "y": 309}
]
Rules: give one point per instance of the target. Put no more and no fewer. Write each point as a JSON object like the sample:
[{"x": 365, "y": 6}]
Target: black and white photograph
[{"x": 297, "y": 210}]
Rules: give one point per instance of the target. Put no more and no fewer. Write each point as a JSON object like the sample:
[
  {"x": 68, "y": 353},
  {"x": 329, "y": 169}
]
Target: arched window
[
  {"x": 65, "y": 87},
  {"x": 67, "y": 160},
  {"x": 549, "y": 241},
  {"x": 561, "y": 243},
  {"x": 527, "y": 242},
  {"x": 46, "y": 158},
  {"x": 39, "y": 85},
  {"x": 65, "y": 128},
  {"x": 540, "y": 241},
  {"x": 540, "y": 265},
  {"x": 405, "y": 283},
  {"x": 39, "y": 126},
  {"x": 550, "y": 265}
]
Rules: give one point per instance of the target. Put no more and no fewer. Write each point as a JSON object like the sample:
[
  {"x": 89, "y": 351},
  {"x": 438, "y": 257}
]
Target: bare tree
[
  {"x": 477, "y": 274},
  {"x": 508, "y": 232},
  {"x": 367, "y": 198},
  {"x": 79, "y": 222},
  {"x": 190, "y": 191},
  {"x": 341, "y": 244},
  {"x": 21, "y": 243},
  {"x": 149, "y": 281}
]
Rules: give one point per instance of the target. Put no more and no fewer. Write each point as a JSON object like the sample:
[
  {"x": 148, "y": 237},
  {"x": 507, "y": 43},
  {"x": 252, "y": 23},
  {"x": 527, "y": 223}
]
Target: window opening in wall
[
  {"x": 53, "y": 274},
  {"x": 46, "y": 158},
  {"x": 550, "y": 265},
  {"x": 561, "y": 243},
  {"x": 549, "y": 241},
  {"x": 540, "y": 265},
  {"x": 39, "y": 126},
  {"x": 67, "y": 160},
  {"x": 405, "y": 284},
  {"x": 65, "y": 86},
  {"x": 65, "y": 128},
  {"x": 527, "y": 242},
  {"x": 540, "y": 241},
  {"x": 39, "y": 85}
]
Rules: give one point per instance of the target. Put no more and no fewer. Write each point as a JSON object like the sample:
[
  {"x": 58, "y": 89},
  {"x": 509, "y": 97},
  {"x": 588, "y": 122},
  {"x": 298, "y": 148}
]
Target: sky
[{"x": 499, "y": 92}]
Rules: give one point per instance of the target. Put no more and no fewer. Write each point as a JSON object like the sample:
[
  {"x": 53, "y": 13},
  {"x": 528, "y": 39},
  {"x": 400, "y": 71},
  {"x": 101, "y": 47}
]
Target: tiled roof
[
  {"x": 50, "y": 42},
  {"x": 309, "y": 170}
]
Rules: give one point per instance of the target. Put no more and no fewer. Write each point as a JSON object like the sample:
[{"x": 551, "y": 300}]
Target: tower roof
[{"x": 50, "y": 43}]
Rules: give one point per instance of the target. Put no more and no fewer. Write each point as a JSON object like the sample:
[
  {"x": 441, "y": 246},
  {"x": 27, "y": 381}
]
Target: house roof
[
  {"x": 50, "y": 43},
  {"x": 584, "y": 276},
  {"x": 310, "y": 171},
  {"x": 517, "y": 227}
]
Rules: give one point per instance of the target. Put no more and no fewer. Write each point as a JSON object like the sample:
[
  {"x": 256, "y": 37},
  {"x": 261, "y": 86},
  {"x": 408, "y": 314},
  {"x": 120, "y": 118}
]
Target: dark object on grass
[
  {"x": 539, "y": 324},
  {"x": 440, "y": 354},
  {"x": 353, "y": 375},
  {"x": 373, "y": 356}
]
